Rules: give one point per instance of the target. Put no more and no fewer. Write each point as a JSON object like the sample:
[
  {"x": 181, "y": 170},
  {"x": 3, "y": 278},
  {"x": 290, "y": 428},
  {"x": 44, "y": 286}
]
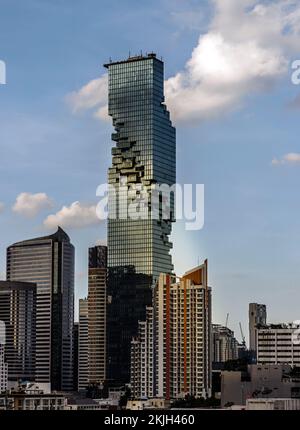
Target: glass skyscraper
[
  {"x": 143, "y": 157},
  {"x": 49, "y": 263}
]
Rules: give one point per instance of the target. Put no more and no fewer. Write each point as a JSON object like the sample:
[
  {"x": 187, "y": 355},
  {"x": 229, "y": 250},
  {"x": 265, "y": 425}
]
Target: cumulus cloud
[
  {"x": 246, "y": 49},
  {"x": 30, "y": 205},
  {"x": 75, "y": 216},
  {"x": 89, "y": 96},
  {"x": 290, "y": 158}
]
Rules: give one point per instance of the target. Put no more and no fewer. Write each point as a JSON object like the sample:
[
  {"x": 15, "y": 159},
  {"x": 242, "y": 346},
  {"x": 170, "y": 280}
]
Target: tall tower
[
  {"x": 257, "y": 317},
  {"x": 49, "y": 263},
  {"x": 143, "y": 158}
]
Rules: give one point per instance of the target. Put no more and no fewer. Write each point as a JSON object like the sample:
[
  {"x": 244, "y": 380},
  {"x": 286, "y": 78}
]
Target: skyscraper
[
  {"x": 171, "y": 356},
  {"x": 97, "y": 282},
  {"x": 144, "y": 157},
  {"x": 83, "y": 346},
  {"x": 18, "y": 312},
  {"x": 49, "y": 263},
  {"x": 257, "y": 317}
]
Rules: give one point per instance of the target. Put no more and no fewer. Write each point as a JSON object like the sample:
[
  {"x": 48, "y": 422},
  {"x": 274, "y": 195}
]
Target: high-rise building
[
  {"x": 171, "y": 357},
  {"x": 17, "y": 311},
  {"x": 257, "y": 317},
  {"x": 49, "y": 263},
  {"x": 97, "y": 283},
  {"x": 144, "y": 157},
  {"x": 83, "y": 346},
  {"x": 278, "y": 344},
  {"x": 3, "y": 370},
  {"x": 225, "y": 345}
]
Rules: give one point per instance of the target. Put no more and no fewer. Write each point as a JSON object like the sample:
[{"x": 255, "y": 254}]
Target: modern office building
[
  {"x": 225, "y": 345},
  {"x": 18, "y": 312},
  {"x": 83, "y": 346},
  {"x": 49, "y": 263},
  {"x": 278, "y": 344},
  {"x": 144, "y": 157},
  {"x": 171, "y": 357},
  {"x": 97, "y": 284},
  {"x": 257, "y": 317},
  {"x": 3, "y": 370}
]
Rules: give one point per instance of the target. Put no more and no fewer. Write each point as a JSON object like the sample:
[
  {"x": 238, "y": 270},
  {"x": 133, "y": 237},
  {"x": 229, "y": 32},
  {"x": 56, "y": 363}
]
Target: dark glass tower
[
  {"x": 49, "y": 263},
  {"x": 144, "y": 156}
]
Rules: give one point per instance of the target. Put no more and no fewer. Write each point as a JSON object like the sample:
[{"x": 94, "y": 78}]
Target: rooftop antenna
[
  {"x": 141, "y": 53},
  {"x": 129, "y": 54}
]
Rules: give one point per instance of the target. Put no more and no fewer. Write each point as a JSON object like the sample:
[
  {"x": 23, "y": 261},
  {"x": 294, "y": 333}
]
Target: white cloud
[
  {"x": 2, "y": 206},
  {"x": 89, "y": 96},
  {"x": 74, "y": 216},
  {"x": 246, "y": 49},
  {"x": 290, "y": 158},
  {"x": 30, "y": 205}
]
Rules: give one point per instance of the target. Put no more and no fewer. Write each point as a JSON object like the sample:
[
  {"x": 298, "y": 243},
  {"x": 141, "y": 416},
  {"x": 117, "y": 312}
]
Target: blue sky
[{"x": 252, "y": 226}]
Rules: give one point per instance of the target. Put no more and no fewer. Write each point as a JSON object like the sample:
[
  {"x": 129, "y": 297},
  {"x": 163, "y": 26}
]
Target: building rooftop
[
  {"x": 131, "y": 59},
  {"x": 59, "y": 236}
]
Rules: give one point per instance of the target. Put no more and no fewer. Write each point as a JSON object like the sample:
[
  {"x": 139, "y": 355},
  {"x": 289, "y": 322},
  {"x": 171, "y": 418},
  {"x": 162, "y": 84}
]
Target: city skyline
[{"x": 251, "y": 213}]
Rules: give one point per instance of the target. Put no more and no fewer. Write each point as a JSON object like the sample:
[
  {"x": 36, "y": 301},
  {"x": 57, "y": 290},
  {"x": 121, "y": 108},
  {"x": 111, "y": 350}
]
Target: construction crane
[{"x": 243, "y": 337}]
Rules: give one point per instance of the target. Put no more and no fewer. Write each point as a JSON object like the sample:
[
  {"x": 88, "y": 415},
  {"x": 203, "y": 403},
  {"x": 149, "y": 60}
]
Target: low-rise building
[
  {"x": 267, "y": 381},
  {"x": 171, "y": 356},
  {"x": 139, "y": 405}
]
